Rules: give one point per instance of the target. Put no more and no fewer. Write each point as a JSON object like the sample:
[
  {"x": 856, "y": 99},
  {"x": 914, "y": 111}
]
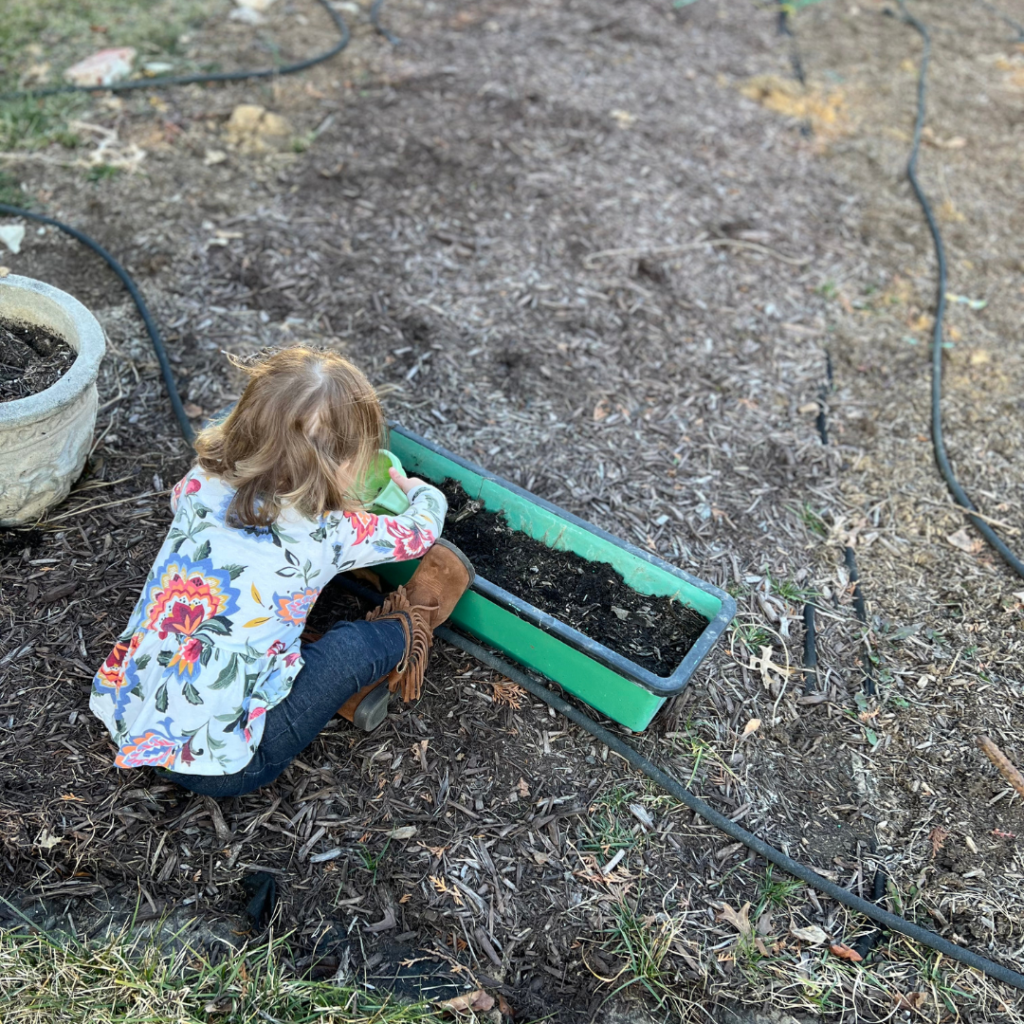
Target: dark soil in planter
[
  {"x": 655, "y": 632},
  {"x": 31, "y": 360}
]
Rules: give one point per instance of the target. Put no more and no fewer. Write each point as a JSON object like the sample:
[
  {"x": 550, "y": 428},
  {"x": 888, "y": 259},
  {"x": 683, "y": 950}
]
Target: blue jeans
[{"x": 348, "y": 657}]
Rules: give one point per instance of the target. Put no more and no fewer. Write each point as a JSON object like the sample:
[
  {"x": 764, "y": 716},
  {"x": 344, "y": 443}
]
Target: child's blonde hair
[{"x": 303, "y": 434}]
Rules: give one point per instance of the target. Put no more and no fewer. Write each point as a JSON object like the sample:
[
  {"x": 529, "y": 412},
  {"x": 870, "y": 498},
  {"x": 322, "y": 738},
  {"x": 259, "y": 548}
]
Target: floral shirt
[{"x": 213, "y": 642}]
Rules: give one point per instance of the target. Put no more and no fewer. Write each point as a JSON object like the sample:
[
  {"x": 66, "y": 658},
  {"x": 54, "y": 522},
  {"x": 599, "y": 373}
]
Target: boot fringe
[{"x": 408, "y": 674}]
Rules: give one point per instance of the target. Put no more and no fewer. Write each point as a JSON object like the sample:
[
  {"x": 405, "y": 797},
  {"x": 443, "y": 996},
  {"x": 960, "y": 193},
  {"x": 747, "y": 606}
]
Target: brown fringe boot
[
  {"x": 442, "y": 577},
  {"x": 368, "y": 707}
]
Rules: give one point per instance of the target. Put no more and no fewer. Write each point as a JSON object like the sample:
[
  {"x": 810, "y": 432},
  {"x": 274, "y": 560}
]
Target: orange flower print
[
  {"x": 183, "y": 594},
  {"x": 295, "y": 607},
  {"x": 117, "y": 675},
  {"x": 151, "y": 749},
  {"x": 410, "y": 541},
  {"x": 186, "y": 656},
  {"x": 111, "y": 672},
  {"x": 364, "y": 524}
]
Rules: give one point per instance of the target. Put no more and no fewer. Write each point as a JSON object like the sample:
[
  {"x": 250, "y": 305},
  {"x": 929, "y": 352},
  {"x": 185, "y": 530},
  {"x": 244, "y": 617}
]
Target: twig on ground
[{"x": 1003, "y": 763}]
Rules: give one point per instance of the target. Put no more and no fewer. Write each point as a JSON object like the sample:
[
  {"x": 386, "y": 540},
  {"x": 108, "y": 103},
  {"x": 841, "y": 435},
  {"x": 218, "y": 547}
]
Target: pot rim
[{"x": 84, "y": 370}]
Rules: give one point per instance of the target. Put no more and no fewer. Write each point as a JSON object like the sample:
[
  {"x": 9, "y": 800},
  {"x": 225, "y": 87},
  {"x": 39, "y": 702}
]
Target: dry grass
[{"x": 121, "y": 980}]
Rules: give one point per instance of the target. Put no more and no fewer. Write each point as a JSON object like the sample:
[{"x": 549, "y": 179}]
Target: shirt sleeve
[{"x": 361, "y": 539}]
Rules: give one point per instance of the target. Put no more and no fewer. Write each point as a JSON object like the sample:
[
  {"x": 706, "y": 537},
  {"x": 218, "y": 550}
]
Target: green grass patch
[
  {"x": 121, "y": 980},
  {"x": 774, "y": 893},
  {"x": 610, "y": 825},
  {"x": 102, "y": 172},
  {"x": 40, "y": 39},
  {"x": 10, "y": 191},
  {"x": 643, "y": 946},
  {"x": 812, "y": 520},
  {"x": 752, "y": 636},
  {"x": 790, "y": 590}
]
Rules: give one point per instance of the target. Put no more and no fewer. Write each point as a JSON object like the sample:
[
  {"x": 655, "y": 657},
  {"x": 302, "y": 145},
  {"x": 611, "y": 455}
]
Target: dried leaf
[
  {"x": 911, "y": 1000},
  {"x": 965, "y": 542},
  {"x": 763, "y": 664},
  {"x": 938, "y": 837},
  {"x": 812, "y": 934},
  {"x": 479, "y": 1001},
  {"x": 510, "y": 694},
  {"x": 405, "y": 832},
  {"x": 47, "y": 841},
  {"x": 522, "y": 788},
  {"x": 740, "y": 920},
  {"x": 444, "y": 889},
  {"x": 846, "y": 952},
  {"x": 752, "y": 726}
]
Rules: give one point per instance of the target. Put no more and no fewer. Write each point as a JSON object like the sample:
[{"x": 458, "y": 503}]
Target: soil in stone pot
[{"x": 31, "y": 360}]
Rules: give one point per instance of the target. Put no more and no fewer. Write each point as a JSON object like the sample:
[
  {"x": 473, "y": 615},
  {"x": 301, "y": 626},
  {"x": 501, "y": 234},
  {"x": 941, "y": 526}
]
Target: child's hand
[{"x": 407, "y": 483}]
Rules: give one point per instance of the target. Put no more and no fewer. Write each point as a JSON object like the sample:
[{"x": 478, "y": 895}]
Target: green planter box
[{"x": 611, "y": 683}]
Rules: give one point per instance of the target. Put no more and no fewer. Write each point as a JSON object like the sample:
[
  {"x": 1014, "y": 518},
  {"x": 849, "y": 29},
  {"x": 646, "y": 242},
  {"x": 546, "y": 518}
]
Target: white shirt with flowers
[{"x": 213, "y": 642}]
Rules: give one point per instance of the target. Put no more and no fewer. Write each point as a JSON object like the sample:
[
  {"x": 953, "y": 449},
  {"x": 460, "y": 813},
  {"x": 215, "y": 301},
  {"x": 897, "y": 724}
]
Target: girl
[{"x": 209, "y": 682}]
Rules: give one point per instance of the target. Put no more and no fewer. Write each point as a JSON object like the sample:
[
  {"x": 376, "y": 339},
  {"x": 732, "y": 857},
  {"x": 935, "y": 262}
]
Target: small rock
[
  {"x": 12, "y": 236},
  {"x": 247, "y": 16},
  {"x": 157, "y": 67},
  {"x": 214, "y": 156},
  {"x": 255, "y": 5},
  {"x": 274, "y": 124},
  {"x": 102, "y": 68},
  {"x": 620, "y": 613},
  {"x": 254, "y": 129},
  {"x": 245, "y": 118}
]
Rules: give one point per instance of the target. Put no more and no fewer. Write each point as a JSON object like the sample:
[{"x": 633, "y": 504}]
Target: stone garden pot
[{"x": 45, "y": 438}]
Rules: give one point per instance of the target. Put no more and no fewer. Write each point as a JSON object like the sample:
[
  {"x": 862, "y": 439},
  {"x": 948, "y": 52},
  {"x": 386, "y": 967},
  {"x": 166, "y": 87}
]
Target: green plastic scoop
[{"x": 380, "y": 494}]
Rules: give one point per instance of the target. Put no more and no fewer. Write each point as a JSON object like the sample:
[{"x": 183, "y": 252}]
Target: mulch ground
[{"x": 603, "y": 249}]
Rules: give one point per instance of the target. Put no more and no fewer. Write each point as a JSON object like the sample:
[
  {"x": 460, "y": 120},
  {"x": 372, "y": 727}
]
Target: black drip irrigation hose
[
  {"x": 378, "y": 27},
  {"x": 823, "y": 885},
  {"x": 810, "y": 650},
  {"x": 938, "y": 442},
  {"x": 866, "y": 943},
  {"x": 164, "y": 82},
  {"x": 861, "y": 906},
  {"x": 204, "y": 77},
  {"x": 140, "y": 304},
  {"x": 795, "y": 61},
  {"x": 615, "y": 743},
  {"x": 1011, "y": 22}
]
